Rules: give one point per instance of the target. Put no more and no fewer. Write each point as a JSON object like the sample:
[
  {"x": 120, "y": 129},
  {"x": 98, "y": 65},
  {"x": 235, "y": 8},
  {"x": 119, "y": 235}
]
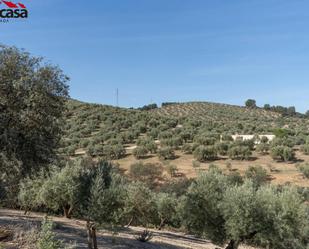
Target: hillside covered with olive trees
[
  {"x": 185, "y": 138},
  {"x": 192, "y": 175}
]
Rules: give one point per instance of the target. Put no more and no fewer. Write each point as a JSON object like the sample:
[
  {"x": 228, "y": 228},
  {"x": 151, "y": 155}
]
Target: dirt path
[{"x": 74, "y": 231}]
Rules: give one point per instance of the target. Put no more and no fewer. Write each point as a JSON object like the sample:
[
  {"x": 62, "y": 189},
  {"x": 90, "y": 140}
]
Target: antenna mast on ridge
[{"x": 117, "y": 97}]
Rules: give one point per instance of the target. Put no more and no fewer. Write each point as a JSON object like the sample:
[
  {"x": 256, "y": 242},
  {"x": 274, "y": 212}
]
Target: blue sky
[{"x": 175, "y": 50}]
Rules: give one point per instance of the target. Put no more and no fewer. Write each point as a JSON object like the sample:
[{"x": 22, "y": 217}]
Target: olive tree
[
  {"x": 201, "y": 208},
  {"x": 205, "y": 153},
  {"x": 33, "y": 96},
  {"x": 265, "y": 217},
  {"x": 270, "y": 217},
  {"x": 282, "y": 153},
  {"x": 166, "y": 208}
]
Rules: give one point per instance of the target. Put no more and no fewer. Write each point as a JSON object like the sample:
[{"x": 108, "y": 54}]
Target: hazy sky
[{"x": 172, "y": 50}]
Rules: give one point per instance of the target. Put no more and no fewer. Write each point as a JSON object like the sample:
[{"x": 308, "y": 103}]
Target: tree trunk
[
  {"x": 130, "y": 222},
  {"x": 94, "y": 237},
  {"x": 67, "y": 211},
  {"x": 232, "y": 245},
  {"x": 89, "y": 235},
  {"x": 161, "y": 224}
]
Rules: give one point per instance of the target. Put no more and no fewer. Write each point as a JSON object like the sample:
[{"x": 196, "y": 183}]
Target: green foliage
[
  {"x": 239, "y": 152},
  {"x": 266, "y": 217},
  {"x": 177, "y": 186},
  {"x": 172, "y": 170},
  {"x": 166, "y": 208},
  {"x": 140, "y": 152},
  {"x": 148, "y": 144},
  {"x": 280, "y": 133},
  {"x": 262, "y": 148},
  {"x": 140, "y": 205},
  {"x": 11, "y": 173},
  {"x": 222, "y": 148},
  {"x": 257, "y": 174},
  {"x": 187, "y": 149},
  {"x": 224, "y": 211},
  {"x": 173, "y": 142},
  {"x": 305, "y": 149},
  {"x": 60, "y": 190},
  {"x": 32, "y": 103},
  {"x": 47, "y": 238},
  {"x": 250, "y": 103},
  {"x": 113, "y": 152},
  {"x": 166, "y": 153},
  {"x": 28, "y": 197},
  {"x": 148, "y": 173},
  {"x": 304, "y": 169},
  {"x": 201, "y": 207},
  {"x": 107, "y": 195},
  {"x": 205, "y": 153},
  {"x": 234, "y": 178},
  {"x": 33, "y": 96},
  {"x": 282, "y": 153}
]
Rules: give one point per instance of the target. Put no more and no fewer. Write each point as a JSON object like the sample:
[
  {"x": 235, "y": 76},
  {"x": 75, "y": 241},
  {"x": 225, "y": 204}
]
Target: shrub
[
  {"x": 222, "y": 148},
  {"x": 205, "y": 139},
  {"x": 140, "y": 205},
  {"x": 60, "y": 190},
  {"x": 172, "y": 170},
  {"x": 264, "y": 140},
  {"x": 176, "y": 186},
  {"x": 257, "y": 174},
  {"x": 250, "y": 103},
  {"x": 234, "y": 178},
  {"x": 304, "y": 168},
  {"x": 205, "y": 153},
  {"x": 47, "y": 238},
  {"x": 187, "y": 149},
  {"x": 241, "y": 213},
  {"x": 148, "y": 143},
  {"x": 201, "y": 207},
  {"x": 114, "y": 152},
  {"x": 166, "y": 208},
  {"x": 104, "y": 195},
  {"x": 147, "y": 173},
  {"x": 166, "y": 153},
  {"x": 248, "y": 213},
  {"x": 282, "y": 153},
  {"x": 262, "y": 148},
  {"x": 174, "y": 142},
  {"x": 239, "y": 152},
  {"x": 140, "y": 152},
  {"x": 305, "y": 149}
]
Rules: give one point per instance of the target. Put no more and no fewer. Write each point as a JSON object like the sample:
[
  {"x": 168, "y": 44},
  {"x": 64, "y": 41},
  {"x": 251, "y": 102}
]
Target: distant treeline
[
  {"x": 149, "y": 107},
  {"x": 284, "y": 111},
  {"x": 169, "y": 103},
  {"x": 155, "y": 106}
]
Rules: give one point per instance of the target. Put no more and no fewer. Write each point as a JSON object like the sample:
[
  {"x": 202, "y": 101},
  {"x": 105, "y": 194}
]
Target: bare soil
[
  {"x": 73, "y": 231},
  {"x": 279, "y": 172}
]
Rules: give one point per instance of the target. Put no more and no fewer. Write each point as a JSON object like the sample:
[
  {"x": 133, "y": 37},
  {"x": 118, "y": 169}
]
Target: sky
[{"x": 177, "y": 50}]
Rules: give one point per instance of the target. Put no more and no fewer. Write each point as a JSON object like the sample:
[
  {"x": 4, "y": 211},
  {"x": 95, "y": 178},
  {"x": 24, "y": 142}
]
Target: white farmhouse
[{"x": 249, "y": 137}]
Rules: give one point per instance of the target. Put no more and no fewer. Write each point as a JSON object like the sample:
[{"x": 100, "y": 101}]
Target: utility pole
[{"x": 117, "y": 97}]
